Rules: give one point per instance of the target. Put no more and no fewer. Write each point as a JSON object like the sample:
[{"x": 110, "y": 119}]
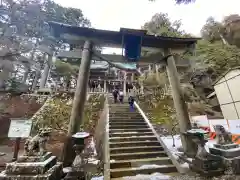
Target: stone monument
[
  {"x": 204, "y": 162},
  {"x": 76, "y": 172},
  {"x": 224, "y": 145},
  {"x": 225, "y": 148},
  {"x": 85, "y": 162},
  {"x": 36, "y": 163}
]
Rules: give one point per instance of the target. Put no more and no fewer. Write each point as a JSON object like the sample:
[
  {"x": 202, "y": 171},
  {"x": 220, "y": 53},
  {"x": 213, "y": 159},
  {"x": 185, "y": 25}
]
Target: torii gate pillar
[
  {"x": 180, "y": 104},
  {"x": 80, "y": 95}
]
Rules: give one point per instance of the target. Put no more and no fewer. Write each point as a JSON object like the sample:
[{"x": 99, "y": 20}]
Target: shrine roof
[
  {"x": 99, "y": 65},
  {"x": 114, "y": 38}
]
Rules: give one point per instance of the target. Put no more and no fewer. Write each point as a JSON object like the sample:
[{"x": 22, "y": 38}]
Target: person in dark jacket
[
  {"x": 115, "y": 95},
  {"x": 131, "y": 103}
]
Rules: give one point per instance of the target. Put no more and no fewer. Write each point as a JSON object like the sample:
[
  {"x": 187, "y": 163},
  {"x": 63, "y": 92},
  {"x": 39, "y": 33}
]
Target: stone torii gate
[{"x": 161, "y": 48}]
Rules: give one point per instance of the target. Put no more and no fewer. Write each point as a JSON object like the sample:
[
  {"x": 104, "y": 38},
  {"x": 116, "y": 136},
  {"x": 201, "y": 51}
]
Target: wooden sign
[{"x": 20, "y": 128}]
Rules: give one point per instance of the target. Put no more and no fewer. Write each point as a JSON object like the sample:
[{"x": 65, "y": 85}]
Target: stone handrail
[
  {"x": 170, "y": 155},
  {"x": 102, "y": 139},
  {"x": 46, "y": 103}
]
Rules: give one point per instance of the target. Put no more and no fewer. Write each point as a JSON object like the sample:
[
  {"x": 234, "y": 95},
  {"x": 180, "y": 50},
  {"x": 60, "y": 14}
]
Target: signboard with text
[{"x": 20, "y": 128}]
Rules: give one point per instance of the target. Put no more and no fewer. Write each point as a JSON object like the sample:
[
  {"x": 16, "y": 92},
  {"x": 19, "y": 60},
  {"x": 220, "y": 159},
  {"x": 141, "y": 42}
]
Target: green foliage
[
  {"x": 57, "y": 111},
  {"x": 211, "y": 30},
  {"x": 92, "y": 112},
  {"x": 161, "y": 25},
  {"x": 14, "y": 86},
  {"x": 153, "y": 80},
  {"x": 218, "y": 56},
  {"x": 159, "y": 107},
  {"x": 65, "y": 69},
  {"x": 228, "y": 30},
  {"x": 30, "y": 17}
]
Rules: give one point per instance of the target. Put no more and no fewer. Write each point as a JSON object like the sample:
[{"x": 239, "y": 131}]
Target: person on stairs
[
  {"x": 115, "y": 95},
  {"x": 121, "y": 96},
  {"x": 131, "y": 101}
]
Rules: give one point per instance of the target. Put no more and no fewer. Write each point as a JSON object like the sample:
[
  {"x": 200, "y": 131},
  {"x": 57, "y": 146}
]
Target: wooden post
[
  {"x": 76, "y": 118},
  {"x": 16, "y": 149},
  {"x": 179, "y": 103}
]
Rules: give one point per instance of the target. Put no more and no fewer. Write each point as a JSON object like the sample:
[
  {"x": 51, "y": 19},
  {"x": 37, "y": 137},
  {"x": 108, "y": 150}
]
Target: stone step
[
  {"x": 122, "y": 115},
  {"x": 127, "y": 123},
  {"x": 128, "y": 126},
  {"x": 135, "y": 149},
  {"x": 122, "y": 107},
  {"x": 133, "y": 144},
  {"x": 139, "y": 162},
  {"x": 118, "y": 105},
  {"x": 121, "y": 172},
  {"x": 125, "y": 113},
  {"x": 133, "y": 138},
  {"x": 120, "y": 130},
  {"x": 118, "y": 118},
  {"x": 126, "y": 120},
  {"x": 172, "y": 174},
  {"x": 137, "y": 155},
  {"x": 126, "y": 134}
]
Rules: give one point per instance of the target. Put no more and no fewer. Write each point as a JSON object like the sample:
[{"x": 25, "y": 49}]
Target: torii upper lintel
[{"x": 114, "y": 38}]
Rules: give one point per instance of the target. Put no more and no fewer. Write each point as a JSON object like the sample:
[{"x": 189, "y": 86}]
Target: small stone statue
[
  {"x": 223, "y": 137},
  {"x": 195, "y": 126},
  {"x": 36, "y": 146},
  {"x": 200, "y": 141},
  {"x": 203, "y": 162}
]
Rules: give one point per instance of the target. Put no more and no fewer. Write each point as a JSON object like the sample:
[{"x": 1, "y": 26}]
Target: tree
[
  {"x": 28, "y": 20},
  {"x": 218, "y": 56},
  {"x": 64, "y": 72},
  {"x": 211, "y": 30},
  {"x": 228, "y": 30},
  {"x": 161, "y": 25},
  {"x": 231, "y": 26}
]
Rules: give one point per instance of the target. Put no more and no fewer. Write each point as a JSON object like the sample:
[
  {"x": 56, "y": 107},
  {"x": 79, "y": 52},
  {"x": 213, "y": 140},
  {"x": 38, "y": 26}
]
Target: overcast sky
[{"x": 113, "y": 14}]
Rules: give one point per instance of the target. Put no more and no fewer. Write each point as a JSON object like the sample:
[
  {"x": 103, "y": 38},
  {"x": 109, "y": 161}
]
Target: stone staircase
[{"x": 133, "y": 147}]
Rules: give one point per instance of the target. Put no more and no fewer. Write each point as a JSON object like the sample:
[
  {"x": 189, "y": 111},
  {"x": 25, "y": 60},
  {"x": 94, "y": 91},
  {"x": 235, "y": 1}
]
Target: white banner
[
  {"x": 213, "y": 122},
  {"x": 201, "y": 121},
  {"x": 234, "y": 126}
]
